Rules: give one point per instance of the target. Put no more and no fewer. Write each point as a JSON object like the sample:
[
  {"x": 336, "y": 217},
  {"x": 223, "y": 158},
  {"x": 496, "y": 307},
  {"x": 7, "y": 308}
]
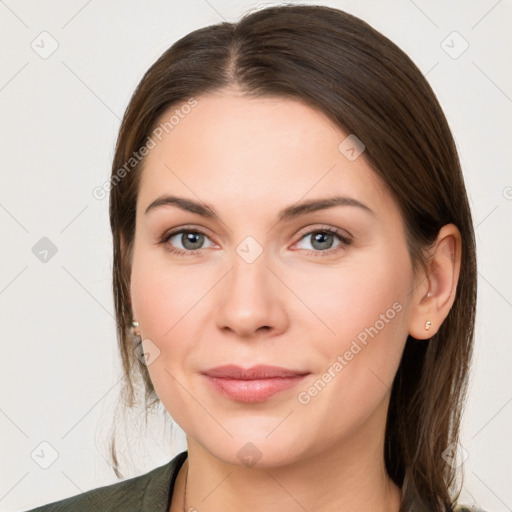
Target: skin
[{"x": 297, "y": 305}]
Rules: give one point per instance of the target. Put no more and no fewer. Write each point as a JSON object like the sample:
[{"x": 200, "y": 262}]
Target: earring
[
  {"x": 428, "y": 325},
  {"x": 135, "y": 326}
]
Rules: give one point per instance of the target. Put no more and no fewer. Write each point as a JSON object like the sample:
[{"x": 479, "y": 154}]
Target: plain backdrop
[{"x": 68, "y": 69}]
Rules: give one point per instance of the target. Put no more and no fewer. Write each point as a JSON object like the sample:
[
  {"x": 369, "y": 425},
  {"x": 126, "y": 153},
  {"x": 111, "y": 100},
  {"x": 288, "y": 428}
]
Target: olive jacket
[{"x": 150, "y": 492}]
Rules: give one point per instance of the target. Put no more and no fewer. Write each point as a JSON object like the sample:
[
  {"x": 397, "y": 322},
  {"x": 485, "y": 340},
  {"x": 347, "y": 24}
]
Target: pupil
[
  {"x": 321, "y": 238},
  {"x": 193, "y": 238}
]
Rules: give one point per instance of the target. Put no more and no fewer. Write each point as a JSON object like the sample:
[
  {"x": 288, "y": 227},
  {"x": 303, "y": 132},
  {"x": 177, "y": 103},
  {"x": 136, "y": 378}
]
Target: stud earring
[
  {"x": 428, "y": 325},
  {"x": 135, "y": 326}
]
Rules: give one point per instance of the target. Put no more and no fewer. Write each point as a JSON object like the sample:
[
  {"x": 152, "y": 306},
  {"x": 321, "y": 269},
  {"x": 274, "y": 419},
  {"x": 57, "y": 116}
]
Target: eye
[
  {"x": 322, "y": 240},
  {"x": 185, "y": 241},
  {"x": 190, "y": 241}
]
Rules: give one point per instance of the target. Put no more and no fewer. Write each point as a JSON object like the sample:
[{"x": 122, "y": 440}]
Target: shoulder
[{"x": 148, "y": 492}]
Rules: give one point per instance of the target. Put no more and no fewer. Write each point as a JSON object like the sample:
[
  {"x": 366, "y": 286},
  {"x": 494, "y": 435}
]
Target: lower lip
[{"x": 255, "y": 390}]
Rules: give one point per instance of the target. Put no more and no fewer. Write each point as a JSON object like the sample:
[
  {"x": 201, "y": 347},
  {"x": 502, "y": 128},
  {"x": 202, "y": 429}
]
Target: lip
[
  {"x": 254, "y": 384},
  {"x": 261, "y": 371}
]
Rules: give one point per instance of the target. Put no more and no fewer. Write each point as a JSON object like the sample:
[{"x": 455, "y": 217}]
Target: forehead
[{"x": 231, "y": 149}]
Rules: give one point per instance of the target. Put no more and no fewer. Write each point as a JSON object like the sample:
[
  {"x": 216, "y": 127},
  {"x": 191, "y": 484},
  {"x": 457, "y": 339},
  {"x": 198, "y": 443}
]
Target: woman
[{"x": 294, "y": 271}]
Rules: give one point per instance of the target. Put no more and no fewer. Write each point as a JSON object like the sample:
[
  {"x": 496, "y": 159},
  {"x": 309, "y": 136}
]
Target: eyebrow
[{"x": 290, "y": 212}]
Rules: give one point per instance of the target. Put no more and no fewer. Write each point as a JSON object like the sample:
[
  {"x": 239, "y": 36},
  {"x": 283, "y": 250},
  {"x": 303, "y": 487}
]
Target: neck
[
  {"x": 312, "y": 485},
  {"x": 348, "y": 477}
]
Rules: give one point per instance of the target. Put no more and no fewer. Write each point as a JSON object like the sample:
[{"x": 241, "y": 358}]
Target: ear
[{"x": 436, "y": 288}]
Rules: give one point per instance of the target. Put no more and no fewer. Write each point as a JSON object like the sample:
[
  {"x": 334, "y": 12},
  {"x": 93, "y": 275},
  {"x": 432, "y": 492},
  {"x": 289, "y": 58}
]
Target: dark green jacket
[{"x": 150, "y": 492}]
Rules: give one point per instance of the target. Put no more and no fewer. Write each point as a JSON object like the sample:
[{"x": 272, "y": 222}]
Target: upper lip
[{"x": 231, "y": 371}]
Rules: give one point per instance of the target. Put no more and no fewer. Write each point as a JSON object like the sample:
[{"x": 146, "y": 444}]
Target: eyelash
[{"x": 345, "y": 241}]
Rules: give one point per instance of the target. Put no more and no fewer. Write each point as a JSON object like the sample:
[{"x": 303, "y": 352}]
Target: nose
[{"x": 251, "y": 301}]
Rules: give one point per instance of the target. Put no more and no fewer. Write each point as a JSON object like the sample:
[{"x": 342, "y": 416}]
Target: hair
[{"x": 341, "y": 66}]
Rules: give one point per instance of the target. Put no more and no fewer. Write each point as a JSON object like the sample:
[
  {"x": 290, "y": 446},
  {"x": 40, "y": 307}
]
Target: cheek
[
  {"x": 360, "y": 311},
  {"x": 363, "y": 312},
  {"x": 162, "y": 294},
  {"x": 164, "y": 300}
]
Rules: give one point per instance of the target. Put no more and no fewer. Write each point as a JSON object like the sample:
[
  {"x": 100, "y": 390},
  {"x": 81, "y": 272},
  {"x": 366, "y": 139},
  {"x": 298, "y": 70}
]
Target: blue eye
[
  {"x": 321, "y": 240},
  {"x": 192, "y": 241}
]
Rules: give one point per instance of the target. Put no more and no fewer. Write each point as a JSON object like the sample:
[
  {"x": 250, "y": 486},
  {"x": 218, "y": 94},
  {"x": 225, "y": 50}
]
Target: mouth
[{"x": 255, "y": 384}]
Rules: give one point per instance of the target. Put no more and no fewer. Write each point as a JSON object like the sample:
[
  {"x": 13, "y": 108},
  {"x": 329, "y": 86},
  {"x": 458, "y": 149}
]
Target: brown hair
[{"x": 340, "y": 65}]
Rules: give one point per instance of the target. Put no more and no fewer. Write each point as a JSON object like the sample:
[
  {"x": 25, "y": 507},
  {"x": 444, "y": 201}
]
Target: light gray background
[{"x": 59, "y": 119}]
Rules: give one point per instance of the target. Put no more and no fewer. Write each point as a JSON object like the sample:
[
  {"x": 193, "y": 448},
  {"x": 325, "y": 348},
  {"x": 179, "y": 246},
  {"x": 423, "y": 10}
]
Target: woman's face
[{"x": 263, "y": 283}]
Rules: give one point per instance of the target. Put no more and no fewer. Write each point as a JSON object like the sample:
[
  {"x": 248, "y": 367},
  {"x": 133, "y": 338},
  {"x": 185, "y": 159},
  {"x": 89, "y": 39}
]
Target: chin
[{"x": 261, "y": 454}]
